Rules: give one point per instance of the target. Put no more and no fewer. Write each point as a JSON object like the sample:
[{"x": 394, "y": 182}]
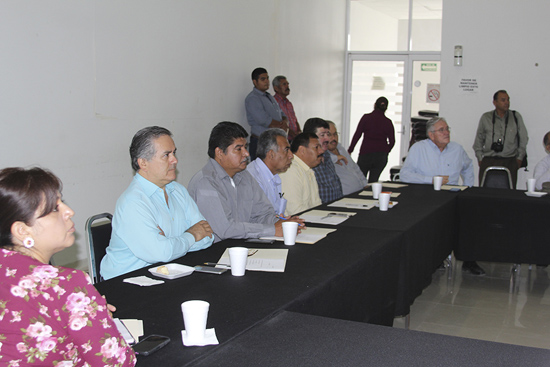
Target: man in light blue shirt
[
  {"x": 262, "y": 110},
  {"x": 155, "y": 219},
  {"x": 274, "y": 157},
  {"x": 437, "y": 156}
]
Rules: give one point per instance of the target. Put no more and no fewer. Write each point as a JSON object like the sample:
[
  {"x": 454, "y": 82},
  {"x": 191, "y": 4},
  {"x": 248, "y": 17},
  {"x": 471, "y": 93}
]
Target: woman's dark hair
[
  {"x": 381, "y": 104},
  {"x": 22, "y": 193}
]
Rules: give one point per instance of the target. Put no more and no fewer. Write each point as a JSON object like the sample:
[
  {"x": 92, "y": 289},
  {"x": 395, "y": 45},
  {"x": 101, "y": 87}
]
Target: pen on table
[
  {"x": 216, "y": 264},
  {"x": 283, "y": 218}
]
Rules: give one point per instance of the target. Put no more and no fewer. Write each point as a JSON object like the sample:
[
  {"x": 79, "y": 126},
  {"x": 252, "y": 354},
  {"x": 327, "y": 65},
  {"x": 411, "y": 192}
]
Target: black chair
[
  {"x": 99, "y": 236},
  {"x": 497, "y": 177}
]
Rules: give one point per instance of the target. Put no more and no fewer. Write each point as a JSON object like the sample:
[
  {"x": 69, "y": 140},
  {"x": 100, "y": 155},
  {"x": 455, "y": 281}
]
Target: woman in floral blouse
[{"x": 49, "y": 315}]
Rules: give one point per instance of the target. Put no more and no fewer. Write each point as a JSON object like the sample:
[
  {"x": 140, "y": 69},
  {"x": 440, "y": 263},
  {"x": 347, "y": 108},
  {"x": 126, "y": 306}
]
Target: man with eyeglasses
[
  {"x": 437, "y": 156},
  {"x": 330, "y": 186}
]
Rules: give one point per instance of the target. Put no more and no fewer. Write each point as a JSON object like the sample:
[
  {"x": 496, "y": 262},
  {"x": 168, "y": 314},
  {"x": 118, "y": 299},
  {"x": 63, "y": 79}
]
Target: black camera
[{"x": 497, "y": 146}]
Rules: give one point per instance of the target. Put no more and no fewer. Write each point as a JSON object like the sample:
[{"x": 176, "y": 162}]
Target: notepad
[
  {"x": 351, "y": 203},
  {"x": 326, "y": 217},
  {"x": 393, "y": 185},
  {"x": 308, "y": 236},
  {"x": 369, "y": 193},
  {"x": 264, "y": 259},
  {"x": 449, "y": 187}
]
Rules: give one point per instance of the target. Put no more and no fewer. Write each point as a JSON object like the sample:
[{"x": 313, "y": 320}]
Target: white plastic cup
[
  {"x": 384, "y": 201},
  {"x": 376, "y": 189},
  {"x": 238, "y": 257},
  {"x": 195, "y": 314},
  {"x": 438, "y": 181},
  {"x": 290, "y": 231},
  {"x": 531, "y": 184}
]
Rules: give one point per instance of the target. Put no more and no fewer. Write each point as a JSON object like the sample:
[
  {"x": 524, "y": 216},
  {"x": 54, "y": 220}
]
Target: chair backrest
[
  {"x": 99, "y": 236},
  {"x": 497, "y": 177}
]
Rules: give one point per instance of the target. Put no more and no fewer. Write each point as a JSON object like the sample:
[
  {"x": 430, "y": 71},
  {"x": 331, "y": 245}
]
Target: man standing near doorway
[
  {"x": 262, "y": 110},
  {"x": 282, "y": 90},
  {"x": 501, "y": 138}
]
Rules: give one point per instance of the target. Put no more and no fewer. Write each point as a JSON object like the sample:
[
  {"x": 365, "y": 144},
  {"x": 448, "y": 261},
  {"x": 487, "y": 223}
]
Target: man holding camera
[{"x": 501, "y": 138}]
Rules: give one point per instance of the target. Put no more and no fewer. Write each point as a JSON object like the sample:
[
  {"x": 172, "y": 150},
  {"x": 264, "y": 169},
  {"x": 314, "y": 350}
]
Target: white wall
[
  {"x": 78, "y": 79},
  {"x": 503, "y": 41}
]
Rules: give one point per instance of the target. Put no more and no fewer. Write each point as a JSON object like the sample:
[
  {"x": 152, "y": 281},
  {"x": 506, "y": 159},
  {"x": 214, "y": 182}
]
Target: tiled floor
[{"x": 484, "y": 308}]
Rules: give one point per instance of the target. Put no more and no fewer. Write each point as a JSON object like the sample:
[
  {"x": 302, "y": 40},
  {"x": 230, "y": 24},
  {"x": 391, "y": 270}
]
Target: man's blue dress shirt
[{"x": 136, "y": 241}]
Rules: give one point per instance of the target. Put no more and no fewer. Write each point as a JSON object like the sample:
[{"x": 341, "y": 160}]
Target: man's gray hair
[
  {"x": 142, "y": 144},
  {"x": 268, "y": 141},
  {"x": 431, "y": 122},
  {"x": 277, "y": 80}
]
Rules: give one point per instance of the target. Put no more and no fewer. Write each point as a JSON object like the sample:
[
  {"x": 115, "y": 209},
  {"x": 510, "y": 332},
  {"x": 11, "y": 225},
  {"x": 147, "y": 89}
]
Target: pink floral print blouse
[{"x": 53, "y": 316}]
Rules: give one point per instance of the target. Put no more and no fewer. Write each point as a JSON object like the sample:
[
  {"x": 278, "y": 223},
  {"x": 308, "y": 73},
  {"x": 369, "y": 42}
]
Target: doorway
[{"x": 410, "y": 82}]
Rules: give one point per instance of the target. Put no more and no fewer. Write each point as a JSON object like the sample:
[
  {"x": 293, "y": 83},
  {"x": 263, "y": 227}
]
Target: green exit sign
[{"x": 428, "y": 66}]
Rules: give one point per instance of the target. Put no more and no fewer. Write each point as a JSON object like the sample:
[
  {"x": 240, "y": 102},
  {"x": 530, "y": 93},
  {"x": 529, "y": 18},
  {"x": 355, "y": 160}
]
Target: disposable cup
[
  {"x": 237, "y": 258},
  {"x": 531, "y": 184},
  {"x": 376, "y": 189},
  {"x": 290, "y": 231},
  {"x": 438, "y": 180},
  {"x": 195, "y": 314},
  {"x": 384, "y": 201}
]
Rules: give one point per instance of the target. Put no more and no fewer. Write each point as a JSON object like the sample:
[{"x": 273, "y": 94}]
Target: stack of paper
[
  {"x": 309, "y": 235},
  {"x": 450, "y": 187},
  {"x": 326, "y": 217},
  {"x": 351, "y": 203},
  {"x": 264, "y": 259},
  {"x": 369, "y": 193}
]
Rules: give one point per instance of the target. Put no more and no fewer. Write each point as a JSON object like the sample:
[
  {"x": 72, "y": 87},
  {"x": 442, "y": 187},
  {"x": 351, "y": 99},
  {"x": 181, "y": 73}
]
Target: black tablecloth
[
  {"x": 370, "y": 269},
  {"x": 351, "y": 275},
  {"x": 501, "y": 225},
  {"x": 428, "y": 221},
  {"x": 291, "y": 339}
]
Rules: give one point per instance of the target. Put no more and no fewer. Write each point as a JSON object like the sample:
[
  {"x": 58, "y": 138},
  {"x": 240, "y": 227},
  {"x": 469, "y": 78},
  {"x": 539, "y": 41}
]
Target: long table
[
  {"x": 500, "y": 225},
  {"x": 370, "y": 270},
  {"x": 291, "y": 339},
  {"x": 427, "y": 219},
  {"x": 349, "y": 276}
]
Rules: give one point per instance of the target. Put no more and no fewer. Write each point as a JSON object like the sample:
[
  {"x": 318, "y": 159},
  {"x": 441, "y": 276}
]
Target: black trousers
[{"x": 372, "y": 164}]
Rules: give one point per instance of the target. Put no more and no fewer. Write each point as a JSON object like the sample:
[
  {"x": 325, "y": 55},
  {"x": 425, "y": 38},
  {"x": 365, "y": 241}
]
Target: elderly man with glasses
[{"x": 437, "y": 156}]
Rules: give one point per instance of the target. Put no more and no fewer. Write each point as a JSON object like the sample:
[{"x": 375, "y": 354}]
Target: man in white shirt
[
  {"x": 437, "y": 156},
  {"x": 273, "y": 157},
  {"x": 542, "y": 169}
]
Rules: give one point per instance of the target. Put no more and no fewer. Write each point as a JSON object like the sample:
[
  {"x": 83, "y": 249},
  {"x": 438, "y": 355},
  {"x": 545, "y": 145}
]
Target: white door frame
[{"x": 408, "y": 58}]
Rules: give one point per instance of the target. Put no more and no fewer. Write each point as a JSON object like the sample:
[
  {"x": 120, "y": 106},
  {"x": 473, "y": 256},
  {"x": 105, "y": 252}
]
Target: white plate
[
  {"x": 390, "y": 205},
  {"x": 535, "y": 194},
  {"x": 175, "y": 270}
]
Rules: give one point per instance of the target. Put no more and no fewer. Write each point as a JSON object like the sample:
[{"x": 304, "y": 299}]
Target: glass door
[{"x": 404, "y": 80}]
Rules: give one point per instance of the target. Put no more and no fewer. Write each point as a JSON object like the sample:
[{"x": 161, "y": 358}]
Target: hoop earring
[{"x": 28, "y": 242}]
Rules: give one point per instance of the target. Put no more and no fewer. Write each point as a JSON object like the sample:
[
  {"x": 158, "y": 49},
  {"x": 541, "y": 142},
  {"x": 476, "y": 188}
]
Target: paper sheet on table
[
  {"x": 326, "y": 217},
  {"x": 369, "y": 193},
  {"x": 393, "y": 185},
  {"x": 265, "y": 259},
  {"x": 308, "y": 236},
  {"x": 134, "y": 326},
  {"x": 143, "y": 281},
  {"x": 351, "y": 203},
  {"x": 448, "y": 187}
]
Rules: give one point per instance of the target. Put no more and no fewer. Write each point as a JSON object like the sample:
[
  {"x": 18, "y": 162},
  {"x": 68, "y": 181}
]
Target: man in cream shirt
[{"x": 298, "y": 182}]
